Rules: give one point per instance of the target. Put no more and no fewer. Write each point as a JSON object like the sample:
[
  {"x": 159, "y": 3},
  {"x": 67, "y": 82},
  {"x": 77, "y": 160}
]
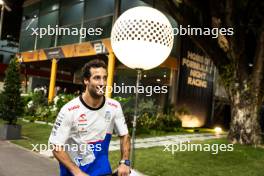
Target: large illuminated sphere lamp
[{"x": 142, "y": 39}]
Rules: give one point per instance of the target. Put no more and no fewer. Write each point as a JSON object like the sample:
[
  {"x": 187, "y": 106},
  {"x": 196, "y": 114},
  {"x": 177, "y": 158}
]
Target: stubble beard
[{"x": 94, "y": 94}]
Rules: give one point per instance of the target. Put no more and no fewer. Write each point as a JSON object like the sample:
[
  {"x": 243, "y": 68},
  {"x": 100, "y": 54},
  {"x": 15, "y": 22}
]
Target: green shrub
[
  {"x": 62, "y": 99},
  {"x": 168, "y": 122},
  {"x": 34, "y": 102},
  {"x": 145, "y": 108},
  {"x": 161, "y": 122},
  {"x": 37, "y": 107},
  {"x": 11, "y": 105},
  {"x": 147, "y": 121},
  {"x": 128, "y": 108},
  {"x": 45, "y": 114},
  {"x": 183, "y": 110}
]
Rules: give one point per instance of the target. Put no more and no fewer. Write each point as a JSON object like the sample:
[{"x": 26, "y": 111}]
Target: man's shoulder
[
  {"x": 113, "y": 103},
  {"x": 72, "y": 105}
]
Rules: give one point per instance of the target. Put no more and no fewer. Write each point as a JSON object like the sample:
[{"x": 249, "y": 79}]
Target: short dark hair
[{"x": 96, "y": 63}]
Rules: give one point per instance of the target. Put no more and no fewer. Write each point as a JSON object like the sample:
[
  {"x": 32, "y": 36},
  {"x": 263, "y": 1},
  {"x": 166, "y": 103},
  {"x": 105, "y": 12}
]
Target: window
[
  {"x": 69, "y": 2},
  {"x": 48, "y": 6},
  {"x": 98, "y": 8},
  {"x": 71, "y": 14},
  {"x": 104, "y": 23},
  {"x": 1, "y": 58},
  {"x": 127, "y": 4},
  {"x": 31, "y": 11},
  {"x": 30, "y": 20},
  {"x": 27, "y": 40},
  {"x": 45, "y": 20},
  {"x": 69, "y": 39}
]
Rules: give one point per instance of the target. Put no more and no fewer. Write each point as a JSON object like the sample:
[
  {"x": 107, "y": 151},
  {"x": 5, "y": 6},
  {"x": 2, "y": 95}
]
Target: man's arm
[
  {"x": 125, "y": 146},
  {"x": 123, "y": 170},
  {"x": 64, "y": 158}
]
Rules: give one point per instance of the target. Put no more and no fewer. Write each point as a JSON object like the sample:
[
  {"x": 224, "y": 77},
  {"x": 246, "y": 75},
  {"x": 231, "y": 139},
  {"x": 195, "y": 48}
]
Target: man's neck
[{"x": 90, "y": 101}]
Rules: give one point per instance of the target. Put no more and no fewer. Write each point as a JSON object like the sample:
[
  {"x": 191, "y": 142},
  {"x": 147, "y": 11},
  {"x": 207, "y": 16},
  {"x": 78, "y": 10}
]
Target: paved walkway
[
  {"x": 163, "y": 140},
  {"x": 15, "y": 160}
]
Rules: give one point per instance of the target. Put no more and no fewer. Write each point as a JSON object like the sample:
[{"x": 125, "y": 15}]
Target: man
[{"x": 83, "y": 128}]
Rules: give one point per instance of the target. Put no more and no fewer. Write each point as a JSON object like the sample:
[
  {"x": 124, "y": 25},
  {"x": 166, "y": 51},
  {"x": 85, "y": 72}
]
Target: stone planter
[{"x": 9, "y": 132}]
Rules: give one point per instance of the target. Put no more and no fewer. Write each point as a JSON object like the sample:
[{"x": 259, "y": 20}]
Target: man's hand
[
  {"x": 123, "y": 170},
  {"x": 64, "y": 158},
  {"x": 80, "y": 173}
]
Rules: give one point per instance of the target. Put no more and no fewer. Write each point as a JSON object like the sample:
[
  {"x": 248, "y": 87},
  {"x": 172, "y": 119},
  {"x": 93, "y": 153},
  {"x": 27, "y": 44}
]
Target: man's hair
[{"x": 86, "y": 70}]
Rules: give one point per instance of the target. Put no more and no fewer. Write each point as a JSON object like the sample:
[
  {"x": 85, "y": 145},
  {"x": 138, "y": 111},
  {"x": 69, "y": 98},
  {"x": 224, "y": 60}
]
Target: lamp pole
[
  {"x": 2, "y": 18},
  {"x": 141, "y": 52},
  {"x": 134, "y": 123}
]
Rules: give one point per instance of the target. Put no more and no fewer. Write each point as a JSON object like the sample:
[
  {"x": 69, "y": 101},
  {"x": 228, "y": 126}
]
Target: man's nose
[{"x": 102, "y": 82}]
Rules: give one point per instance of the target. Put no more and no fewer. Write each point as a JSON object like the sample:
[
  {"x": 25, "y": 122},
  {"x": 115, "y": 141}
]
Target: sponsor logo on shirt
[
  {"x": 74, "y": 107},
  {"x": 82, "y": 123},
  {"x": 112, "y": 104},
  {"x": 107, "y": 116},
  {"x": 82, "y": 129},
  {"x": 82, "y": 118},
  {"x": 53, "y": 133}
]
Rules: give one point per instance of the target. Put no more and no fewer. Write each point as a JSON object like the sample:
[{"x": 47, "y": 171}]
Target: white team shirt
[{"x": 79, "y": 124}]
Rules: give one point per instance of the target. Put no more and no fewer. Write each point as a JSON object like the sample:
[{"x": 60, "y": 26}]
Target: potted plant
[{"x": 11, "y": 106}]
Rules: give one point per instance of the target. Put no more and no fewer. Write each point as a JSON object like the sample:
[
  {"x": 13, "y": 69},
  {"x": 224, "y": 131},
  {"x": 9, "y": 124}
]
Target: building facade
[{"x": 53, "y": 56}]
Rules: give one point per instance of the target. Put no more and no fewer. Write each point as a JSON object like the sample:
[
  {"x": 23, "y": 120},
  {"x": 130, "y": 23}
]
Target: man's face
[{"x": 97, "y": 82}]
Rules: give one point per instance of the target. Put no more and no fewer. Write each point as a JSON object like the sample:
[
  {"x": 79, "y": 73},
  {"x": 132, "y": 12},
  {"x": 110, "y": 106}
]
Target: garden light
[{"x": 218, "y": 130}]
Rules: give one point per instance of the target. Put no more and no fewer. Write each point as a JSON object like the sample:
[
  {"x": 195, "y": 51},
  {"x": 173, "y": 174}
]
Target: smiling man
[{"x": 83, "y": 129}]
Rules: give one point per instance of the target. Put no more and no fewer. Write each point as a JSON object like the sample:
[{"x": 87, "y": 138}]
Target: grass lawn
[
  {"x": 33, "y": 133},
  {"x": 243, "y": 161}
]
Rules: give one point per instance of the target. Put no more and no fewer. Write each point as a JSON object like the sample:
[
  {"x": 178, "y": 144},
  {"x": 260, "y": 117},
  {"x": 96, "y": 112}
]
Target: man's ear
[{"x": 86, "y": 81}]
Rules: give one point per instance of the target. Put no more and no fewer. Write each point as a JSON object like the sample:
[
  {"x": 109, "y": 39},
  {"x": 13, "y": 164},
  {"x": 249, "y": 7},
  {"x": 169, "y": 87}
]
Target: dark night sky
[{"x": 12, "y": 19}]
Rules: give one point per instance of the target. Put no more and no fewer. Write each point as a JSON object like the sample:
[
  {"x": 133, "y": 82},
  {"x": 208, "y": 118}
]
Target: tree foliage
[
  {"x": 11, "y": 106},
  {"x": 239, "y": 58}
]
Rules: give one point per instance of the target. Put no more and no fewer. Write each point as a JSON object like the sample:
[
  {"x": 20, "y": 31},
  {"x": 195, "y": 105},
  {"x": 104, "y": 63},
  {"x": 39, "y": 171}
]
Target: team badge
[{"x": 107, "y": 116}]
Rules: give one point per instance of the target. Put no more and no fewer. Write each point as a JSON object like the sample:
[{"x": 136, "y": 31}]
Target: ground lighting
[
  {"x": 141, "y": 38},
  {"x": 218, "y": 130}
]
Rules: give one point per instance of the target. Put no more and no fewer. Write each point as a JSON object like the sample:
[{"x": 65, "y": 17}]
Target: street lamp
[
  {"x": 141, "y": 38},
  {"x": 2, "y": 3}
]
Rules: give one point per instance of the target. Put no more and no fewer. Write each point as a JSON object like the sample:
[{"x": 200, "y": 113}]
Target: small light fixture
[
  {"x": 218, "y": 130},
  {"x": 145, "y": 76},
  {"x": 158, "y": 80},
  {"x": 250, "y": 64}
]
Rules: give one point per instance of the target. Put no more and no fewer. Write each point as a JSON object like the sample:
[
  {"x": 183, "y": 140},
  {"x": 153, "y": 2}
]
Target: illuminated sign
[
  {"x": 54, "y": 53},
  {"x": 195, "y": 89},
  {"x": 199, "y": 69}
]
